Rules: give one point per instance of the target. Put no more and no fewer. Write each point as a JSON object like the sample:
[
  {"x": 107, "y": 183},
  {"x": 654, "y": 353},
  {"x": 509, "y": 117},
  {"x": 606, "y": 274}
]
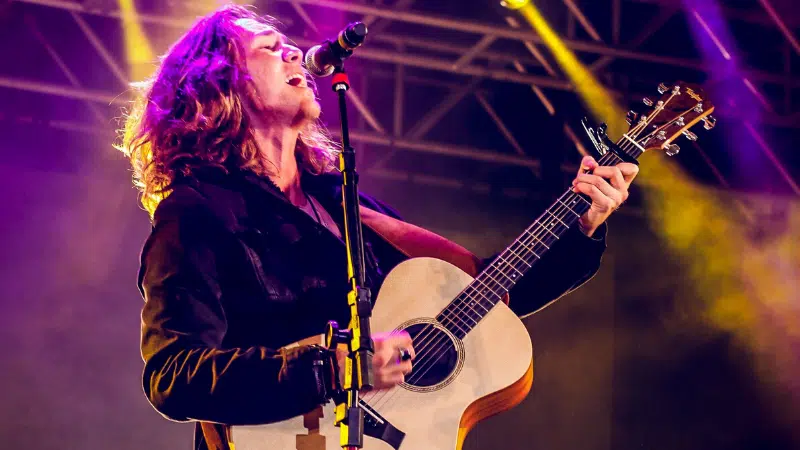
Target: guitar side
[{"x": 495, "y": 372}]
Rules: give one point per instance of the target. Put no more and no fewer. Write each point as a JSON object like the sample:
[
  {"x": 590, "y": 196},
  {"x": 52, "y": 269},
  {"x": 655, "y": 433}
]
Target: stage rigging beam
[
  {"x": 526, "y": 35},
  {"x": 787, "y": 33},
  {"x": 456, "y": 25},
  {"x": 33, "y": 26},
  {"x": 585, "y": 23},
  {"x": 655, "y": 24}
]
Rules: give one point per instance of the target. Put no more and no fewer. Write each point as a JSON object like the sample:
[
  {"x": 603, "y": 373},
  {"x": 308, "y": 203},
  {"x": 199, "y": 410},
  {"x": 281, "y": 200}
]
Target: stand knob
[{"x": 335, "y": 335}]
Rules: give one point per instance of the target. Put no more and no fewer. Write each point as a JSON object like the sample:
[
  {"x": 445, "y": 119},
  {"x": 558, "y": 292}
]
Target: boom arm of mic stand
[{"x": 358, "y": 370}]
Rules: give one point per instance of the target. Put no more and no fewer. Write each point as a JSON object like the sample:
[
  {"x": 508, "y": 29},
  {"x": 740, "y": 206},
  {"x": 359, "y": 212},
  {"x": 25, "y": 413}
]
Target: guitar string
[
  {"x": 495, "y": 268},
  {"x": 496, "y": 271},
  {"x": 449, "y": 314},
  {"x": 633, "y": 131},
  {"x": 511, "y": 259},
  {"x": 431, "y": 349},
  {"x": 530, "y": 238},
  {"x": 529, "y": 241},
  {"x": 622, "y": 146},
  {"x": 424, "y": 338},
  {"x": 543, "y": 226},
  {"x": 533, "y": 237}
]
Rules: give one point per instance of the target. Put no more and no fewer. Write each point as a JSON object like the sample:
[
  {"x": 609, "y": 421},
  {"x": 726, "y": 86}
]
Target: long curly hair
[{"x": 190, "y": 114}]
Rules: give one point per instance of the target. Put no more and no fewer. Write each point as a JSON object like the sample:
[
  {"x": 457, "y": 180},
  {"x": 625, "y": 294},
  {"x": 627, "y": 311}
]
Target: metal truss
[{"x": 461, "y": 71}]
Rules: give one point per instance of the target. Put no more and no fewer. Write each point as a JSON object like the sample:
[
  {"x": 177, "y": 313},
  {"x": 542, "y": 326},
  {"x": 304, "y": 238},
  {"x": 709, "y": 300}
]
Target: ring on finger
[{"x": 403, "y": 354}]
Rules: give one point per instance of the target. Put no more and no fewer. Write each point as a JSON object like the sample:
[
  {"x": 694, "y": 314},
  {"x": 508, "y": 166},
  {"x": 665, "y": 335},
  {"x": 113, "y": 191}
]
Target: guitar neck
[
  {"x": 680, "y": 107},
  {"x": 494, "y": 282}
]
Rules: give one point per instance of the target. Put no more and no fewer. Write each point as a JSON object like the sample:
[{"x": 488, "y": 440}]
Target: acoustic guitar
[{"x": 473, "y": 354}]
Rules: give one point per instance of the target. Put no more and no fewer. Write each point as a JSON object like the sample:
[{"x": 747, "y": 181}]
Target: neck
[{"x": 277, "y": 145}]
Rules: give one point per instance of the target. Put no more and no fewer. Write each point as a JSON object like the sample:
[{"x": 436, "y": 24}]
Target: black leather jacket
[{"x": 233, "y": 271}]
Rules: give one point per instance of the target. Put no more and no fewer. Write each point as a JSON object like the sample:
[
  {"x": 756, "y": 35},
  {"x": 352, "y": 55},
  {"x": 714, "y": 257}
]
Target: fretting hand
[{"x": 606, "y": 197}]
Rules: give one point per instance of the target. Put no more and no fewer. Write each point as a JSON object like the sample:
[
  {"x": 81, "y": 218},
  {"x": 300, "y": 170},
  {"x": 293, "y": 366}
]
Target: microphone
[{"x": 322, "y": 59}]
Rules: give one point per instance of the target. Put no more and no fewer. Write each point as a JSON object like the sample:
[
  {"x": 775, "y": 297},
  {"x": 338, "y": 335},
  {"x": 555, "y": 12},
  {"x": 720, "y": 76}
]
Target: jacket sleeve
[
  {"x": 188, "y": 374},
  {"x": 569, "y": 264}
]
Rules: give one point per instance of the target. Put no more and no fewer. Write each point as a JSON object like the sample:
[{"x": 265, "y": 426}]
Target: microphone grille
[{"x": 312, "y": 66}]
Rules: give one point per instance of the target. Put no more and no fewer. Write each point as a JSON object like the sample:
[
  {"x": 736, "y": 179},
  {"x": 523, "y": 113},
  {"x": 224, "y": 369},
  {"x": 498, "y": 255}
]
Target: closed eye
[
  {"x": 274, "y": 47},
  {"x": 271, "y": 42}
]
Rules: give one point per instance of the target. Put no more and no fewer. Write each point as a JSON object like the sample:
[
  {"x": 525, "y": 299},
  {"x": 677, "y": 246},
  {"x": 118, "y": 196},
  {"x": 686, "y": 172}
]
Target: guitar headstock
[{"x": 679, "y": 108}]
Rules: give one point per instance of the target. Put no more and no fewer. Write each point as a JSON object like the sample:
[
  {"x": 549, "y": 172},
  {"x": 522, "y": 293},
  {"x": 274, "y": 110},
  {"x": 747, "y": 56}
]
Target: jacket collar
[{"x": 324, "y": 187}]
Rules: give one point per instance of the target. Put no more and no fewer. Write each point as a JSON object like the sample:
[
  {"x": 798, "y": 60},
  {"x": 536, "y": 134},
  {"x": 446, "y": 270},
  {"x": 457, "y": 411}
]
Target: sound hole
[{"x": 437, "y": 356}]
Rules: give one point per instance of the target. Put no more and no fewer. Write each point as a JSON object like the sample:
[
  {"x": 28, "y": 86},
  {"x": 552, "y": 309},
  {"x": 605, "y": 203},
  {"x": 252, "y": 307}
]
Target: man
[{"x": 245, "y": 255}]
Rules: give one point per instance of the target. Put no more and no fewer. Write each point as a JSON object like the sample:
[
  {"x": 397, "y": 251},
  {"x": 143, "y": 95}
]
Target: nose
[{"x": 291, "y": 54}]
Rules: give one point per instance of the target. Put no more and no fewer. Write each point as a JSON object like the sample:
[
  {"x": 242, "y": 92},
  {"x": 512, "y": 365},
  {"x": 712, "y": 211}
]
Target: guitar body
[{"x": 489, "y": 371}]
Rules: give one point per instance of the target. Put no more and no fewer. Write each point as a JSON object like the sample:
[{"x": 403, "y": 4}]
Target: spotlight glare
[{"x": 514, "y": 4}]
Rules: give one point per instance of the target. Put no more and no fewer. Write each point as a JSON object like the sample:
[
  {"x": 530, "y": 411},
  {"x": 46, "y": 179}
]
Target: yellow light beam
[
  {"x": 600, "y": 102},
  {"x": 745, "y": 287},
  {"x": 138, "y": 50}
]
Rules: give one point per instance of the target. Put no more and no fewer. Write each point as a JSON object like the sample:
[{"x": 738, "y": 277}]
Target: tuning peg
[
  {"x": 661, "y": 135},
  {"x": 631, "y": 117},
  {"x": 709, "y": 122},
  {"x": 699, "y": 108},
  {"x": 680, "y": 121},
  {"x": 689, "y": 135},
  {"x": 647, "y": 101},
  {"x": 672, "y": 149},
  {"x": 662, "y": 88},
  {"x": 601, "y": 129}
]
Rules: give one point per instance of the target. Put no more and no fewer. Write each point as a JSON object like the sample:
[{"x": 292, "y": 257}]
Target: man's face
[{"x": 281, "y": 89}]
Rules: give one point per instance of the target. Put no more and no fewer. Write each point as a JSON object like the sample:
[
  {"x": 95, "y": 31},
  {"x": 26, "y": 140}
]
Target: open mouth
[{"x": 296, "y": 80}]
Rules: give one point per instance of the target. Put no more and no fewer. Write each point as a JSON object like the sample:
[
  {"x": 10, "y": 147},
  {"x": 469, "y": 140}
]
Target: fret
[
  {"x": 556, "y": 217},
  {"x": 526, "y": 248},
  {"x": 569, "y": 208},
  {"x": 486, "y": 286},
  {"x": 450, "y": 318},
  {"x": 475, "y": 302},
  {"x": 494, "y": 279},
  {"x": 510, "y": 265},
  {"x": 539, "y": 240},
  {"x": 505, "y": 276},
  {"x": 479, "y": 294},
  {"x": 520, "y": 258},
  {"x": 467, "y": 305},
  {"x": 549, "y": 231}
]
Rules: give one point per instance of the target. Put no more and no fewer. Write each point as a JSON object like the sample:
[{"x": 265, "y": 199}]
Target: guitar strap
[{"x": 415, "y": 242}]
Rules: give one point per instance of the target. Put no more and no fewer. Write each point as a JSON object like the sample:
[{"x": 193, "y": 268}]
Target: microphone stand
[{"x": 358, "y": 368}]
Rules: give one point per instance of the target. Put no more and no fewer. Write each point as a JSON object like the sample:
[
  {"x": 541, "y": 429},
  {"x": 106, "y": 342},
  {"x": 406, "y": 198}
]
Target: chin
[{"x": 310, "y": 109}]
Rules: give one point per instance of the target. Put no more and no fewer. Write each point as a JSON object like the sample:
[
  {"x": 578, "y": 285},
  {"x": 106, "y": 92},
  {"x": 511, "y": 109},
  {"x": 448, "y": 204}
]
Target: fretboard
[{"x": 494, "y": 282}]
